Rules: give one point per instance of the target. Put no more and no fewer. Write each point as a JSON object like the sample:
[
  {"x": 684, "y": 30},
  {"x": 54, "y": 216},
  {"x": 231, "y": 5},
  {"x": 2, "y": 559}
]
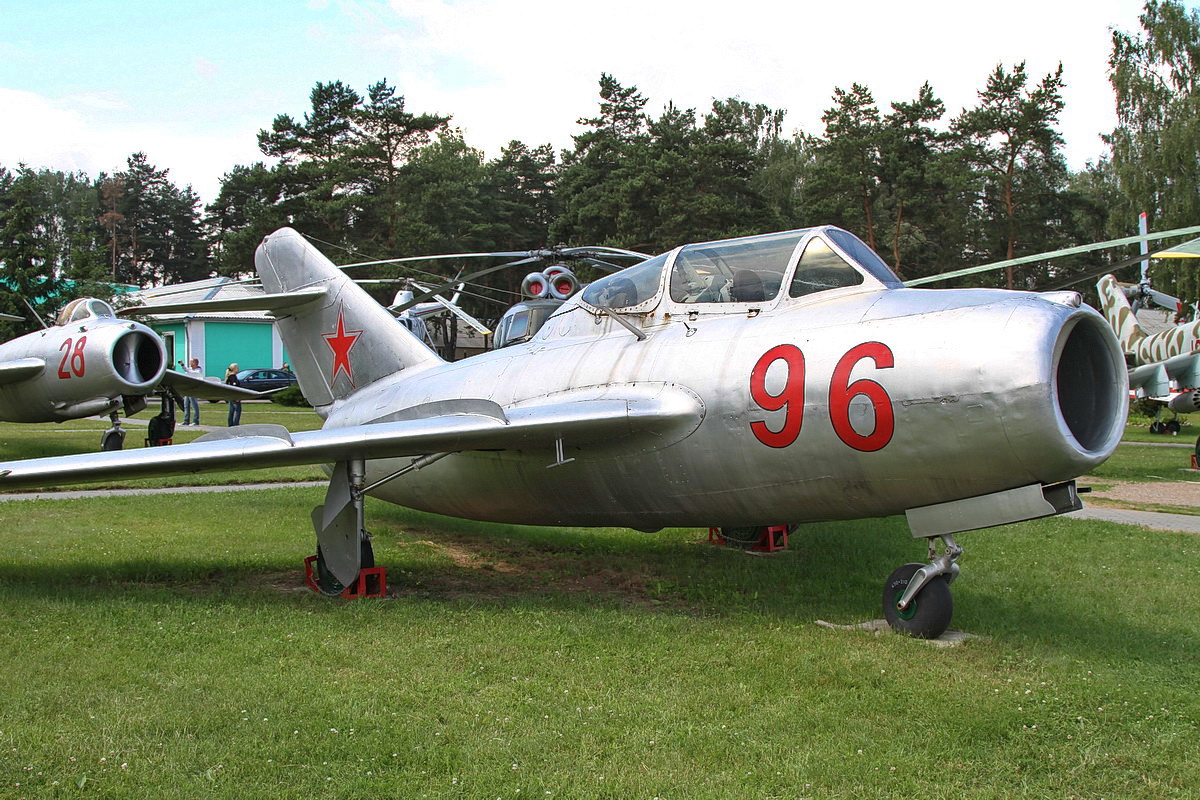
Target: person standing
[
  {"x": 235, "y": 406},
  {"x": 191, "y": 405}
]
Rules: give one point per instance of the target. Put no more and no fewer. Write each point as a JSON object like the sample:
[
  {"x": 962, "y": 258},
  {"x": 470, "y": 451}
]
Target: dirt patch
[
  {"x": 496, "y": 571},
  {"x": 1178, "y": 494}
]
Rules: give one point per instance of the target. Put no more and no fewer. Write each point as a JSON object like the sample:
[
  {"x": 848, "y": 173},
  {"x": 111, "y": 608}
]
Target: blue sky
[{"x": 84, "y": 84}]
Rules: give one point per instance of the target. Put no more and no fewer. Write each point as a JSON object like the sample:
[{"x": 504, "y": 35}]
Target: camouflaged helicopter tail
[
  {"x": 1120, "y": 314},
  {"x": 344, "y": 339}
]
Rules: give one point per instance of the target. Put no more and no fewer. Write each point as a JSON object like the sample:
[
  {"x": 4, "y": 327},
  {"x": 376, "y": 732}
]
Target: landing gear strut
[
  {"x": 344, "y": 551},
  {"x": 916, "y": 597}
]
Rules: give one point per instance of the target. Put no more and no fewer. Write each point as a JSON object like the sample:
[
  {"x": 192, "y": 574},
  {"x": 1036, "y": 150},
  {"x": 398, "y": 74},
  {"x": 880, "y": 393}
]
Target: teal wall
[{"x": 248, "y": 344}]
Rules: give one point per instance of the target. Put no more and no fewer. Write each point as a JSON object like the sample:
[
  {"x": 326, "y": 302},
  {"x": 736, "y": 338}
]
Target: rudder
[{"x": 342, "y": 341}]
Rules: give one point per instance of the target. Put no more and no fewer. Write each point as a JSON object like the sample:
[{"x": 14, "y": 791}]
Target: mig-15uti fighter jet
[
  {"x": 91, "y": 362},
  {"x": 767, "y": 380}
]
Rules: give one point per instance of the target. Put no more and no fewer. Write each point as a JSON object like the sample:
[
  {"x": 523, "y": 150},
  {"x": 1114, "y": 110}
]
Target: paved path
[
  {"x": 1189, "y": 446},
  {"x": 1147, "y": 519},
  {"x": 88, "y": 493}
]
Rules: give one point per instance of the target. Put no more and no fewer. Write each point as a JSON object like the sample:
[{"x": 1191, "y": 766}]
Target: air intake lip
[
  {"x": 139, "y": 358},
  {"x": 1090, "y": 384}
]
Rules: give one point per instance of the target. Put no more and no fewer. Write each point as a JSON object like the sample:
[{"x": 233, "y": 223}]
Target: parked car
[{"x": 264, "y": 380}]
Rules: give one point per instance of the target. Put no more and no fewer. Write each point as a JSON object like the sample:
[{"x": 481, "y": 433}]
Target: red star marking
[{"x": 341, "y": 342}]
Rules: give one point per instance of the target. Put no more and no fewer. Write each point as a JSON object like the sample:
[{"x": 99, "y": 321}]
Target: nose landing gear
[
  {"x": 916, "y": 597},
  {"x": 114, "y": 437}
]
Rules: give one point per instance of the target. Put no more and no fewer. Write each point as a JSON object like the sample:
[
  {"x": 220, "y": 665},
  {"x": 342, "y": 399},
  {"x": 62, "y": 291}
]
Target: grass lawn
[
  {"x": 83, "y": 436},
  {"x": 166, "y": 647}
]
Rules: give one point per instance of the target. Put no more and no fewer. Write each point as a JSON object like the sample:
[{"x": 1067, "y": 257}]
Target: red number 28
[{"x": 73, "y": 358}]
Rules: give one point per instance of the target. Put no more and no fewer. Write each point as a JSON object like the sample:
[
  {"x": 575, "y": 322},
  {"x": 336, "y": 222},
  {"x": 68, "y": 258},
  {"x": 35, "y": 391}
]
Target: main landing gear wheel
[
  {"x": 928, "y": 614},
  {"x": 749, "y": 538},
  {"x": 745, "y": 538},
  {"x": 330, "y": 585}
]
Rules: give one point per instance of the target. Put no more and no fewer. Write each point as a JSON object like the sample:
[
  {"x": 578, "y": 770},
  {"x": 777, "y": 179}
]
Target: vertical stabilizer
[
  {"x": 1119, "y": 314},
  {"x": 343, "y": 341}
]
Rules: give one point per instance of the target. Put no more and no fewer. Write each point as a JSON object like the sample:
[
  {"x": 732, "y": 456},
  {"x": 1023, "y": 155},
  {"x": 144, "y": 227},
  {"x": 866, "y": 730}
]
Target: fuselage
[
  {"x": 83, "y": 365},
  {"x": 852, "y": 402}
]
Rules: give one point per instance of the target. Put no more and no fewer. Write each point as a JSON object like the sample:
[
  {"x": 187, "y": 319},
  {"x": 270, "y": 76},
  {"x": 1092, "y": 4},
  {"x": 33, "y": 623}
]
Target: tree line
[{"x": 369, "y": 179}]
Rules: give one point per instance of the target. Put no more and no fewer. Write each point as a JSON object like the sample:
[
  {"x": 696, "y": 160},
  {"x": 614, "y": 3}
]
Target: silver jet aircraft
[
  {"x": 91, "y": 362},
  {"x": 768, "y": 380}
]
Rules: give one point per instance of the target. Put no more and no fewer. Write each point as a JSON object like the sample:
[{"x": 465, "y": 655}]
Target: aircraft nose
[
  {"x": 1073, "y": 413},
  {"x": 139, "y": 358},
  {"x": 1090, "y": 384}
]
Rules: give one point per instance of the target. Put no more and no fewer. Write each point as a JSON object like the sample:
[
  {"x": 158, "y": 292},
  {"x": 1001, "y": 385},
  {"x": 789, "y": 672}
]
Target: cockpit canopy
[
  {"x": 747, "y": 270},
  {"x": 82, "y": 309}
]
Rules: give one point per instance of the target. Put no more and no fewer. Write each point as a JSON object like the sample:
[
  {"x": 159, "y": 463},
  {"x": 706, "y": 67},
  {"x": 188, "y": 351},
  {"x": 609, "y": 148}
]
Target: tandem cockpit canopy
[
  {"x": 84, "y": 308},
  {"x": 754, "y": 269}
]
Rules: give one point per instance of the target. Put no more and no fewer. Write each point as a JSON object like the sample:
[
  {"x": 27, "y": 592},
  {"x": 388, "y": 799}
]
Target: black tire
[
  {"x": 327, "y": 583},
  {"x": 1157, "y": 426},
  {"x": 745, "y": 538},
  {"x": 928, "y": 615},
  {"x": 112, "y": 439},
  {"x": 1173, "y": 426}
]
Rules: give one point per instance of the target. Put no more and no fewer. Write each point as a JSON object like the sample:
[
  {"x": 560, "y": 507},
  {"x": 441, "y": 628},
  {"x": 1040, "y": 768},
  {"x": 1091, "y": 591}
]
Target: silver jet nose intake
[
  {"x": 139, "y": 358},
  {"x": 1091, "y": 387}
]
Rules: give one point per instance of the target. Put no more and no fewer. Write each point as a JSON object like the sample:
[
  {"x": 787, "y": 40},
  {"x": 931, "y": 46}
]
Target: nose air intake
[
  {"x": 1090, "y": 384},
  {"x": 138, "y": 358}
]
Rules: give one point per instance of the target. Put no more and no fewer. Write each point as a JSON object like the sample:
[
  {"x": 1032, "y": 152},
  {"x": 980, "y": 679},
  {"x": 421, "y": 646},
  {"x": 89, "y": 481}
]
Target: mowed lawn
[{"x": 166, "y": 647}]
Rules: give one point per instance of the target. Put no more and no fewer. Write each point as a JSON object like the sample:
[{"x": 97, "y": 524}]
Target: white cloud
[
  {"x": 72, "y": 135},
  {"x": 535, "y": 70},
  {"x": 528, "y": 69}
]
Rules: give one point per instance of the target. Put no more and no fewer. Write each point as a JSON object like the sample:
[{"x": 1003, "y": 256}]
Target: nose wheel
[
  {"x": 916, "y": 597},
  {"x": 114, "y": 437}
]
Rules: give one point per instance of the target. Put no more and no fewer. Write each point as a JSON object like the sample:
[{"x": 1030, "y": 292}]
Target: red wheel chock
[
  {"x": 372, "y": 581},
  {"x": 772, "y": 539}
]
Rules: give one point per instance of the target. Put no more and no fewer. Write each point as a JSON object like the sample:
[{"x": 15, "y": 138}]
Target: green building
[{"x": 245, "y": 338}]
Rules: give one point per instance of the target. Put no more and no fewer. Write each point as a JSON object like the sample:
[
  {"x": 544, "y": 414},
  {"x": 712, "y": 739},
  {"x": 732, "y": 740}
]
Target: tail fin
[
  {"x": 1119, "y": 314},
  {"x": 343, "y": 340}
]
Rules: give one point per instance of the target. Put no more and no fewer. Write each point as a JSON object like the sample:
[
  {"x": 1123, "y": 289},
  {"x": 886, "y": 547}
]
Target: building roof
[{"x": 219, "y": 288}]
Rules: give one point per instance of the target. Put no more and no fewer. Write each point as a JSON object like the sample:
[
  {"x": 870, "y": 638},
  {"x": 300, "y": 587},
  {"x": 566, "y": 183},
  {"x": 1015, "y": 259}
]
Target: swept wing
[{"x": 440, "y": 428}]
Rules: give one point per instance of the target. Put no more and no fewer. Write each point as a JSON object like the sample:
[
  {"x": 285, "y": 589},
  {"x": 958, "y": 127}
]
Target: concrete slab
[{"x": 880, "y": 627}]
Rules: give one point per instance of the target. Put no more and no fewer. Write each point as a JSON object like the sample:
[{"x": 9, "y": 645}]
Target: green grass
[
  {"x": 1139, "y": 431},
  {"x": 167, "y": 647},
  {"x": 1135, "y": 462},
  {"x": 19, "y": 441}
]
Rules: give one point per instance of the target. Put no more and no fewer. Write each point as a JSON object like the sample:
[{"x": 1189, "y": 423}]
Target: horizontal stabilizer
[
  {"x": 278, "y": 304},
  {"x": 578, "y": 421},
  {"x": 21, "y": 369},
  {"x": 204, "y": 389}
]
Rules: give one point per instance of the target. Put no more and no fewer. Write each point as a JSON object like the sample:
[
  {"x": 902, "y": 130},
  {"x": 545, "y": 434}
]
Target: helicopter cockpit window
[
  {"x": 84, "y": 308},
  {"x": 746, "y": 270},
  {"x": 627, "y": 288},
  {"x": 820, "y": 268}
]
